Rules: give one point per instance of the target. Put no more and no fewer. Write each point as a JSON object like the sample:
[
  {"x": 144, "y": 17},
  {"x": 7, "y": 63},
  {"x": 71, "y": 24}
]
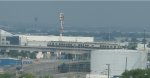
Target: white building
[
  {"x": 3, "y": 35},
  {"x": 119, "y": 60},
  {"x": 36, "y": 40},
  {"x": 32, "y": 40}
]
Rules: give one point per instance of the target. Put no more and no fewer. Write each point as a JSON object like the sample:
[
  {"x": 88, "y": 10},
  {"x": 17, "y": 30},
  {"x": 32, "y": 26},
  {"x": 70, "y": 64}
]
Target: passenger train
[{"x": 89, "y": 45}]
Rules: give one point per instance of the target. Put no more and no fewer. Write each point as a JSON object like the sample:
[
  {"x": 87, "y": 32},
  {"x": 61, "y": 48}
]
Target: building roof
[{"x": 5, "y": 33}]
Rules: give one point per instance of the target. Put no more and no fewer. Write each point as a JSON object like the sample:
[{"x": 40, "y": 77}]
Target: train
[{"x": 88, "y": 45}]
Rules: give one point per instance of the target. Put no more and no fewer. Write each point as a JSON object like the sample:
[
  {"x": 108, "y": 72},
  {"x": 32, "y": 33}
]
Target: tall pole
[
  {"x": 35, "y": 23},
  {"x": 109, "y": 34},
  {"x": 144, "y": 39},
  {"x": 61, "y": 17},
  {"x": 21, "y": 64},
  {"x": 126, "y": 64},
  {"x": 108, "y": 69},
  {"x": 0, "y": 37}
]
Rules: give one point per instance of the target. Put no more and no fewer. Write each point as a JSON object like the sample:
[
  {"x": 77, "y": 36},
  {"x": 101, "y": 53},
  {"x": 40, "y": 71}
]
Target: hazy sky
[
  {"x": 74, "y": 0},
  {"x": 132, "y": 15}
]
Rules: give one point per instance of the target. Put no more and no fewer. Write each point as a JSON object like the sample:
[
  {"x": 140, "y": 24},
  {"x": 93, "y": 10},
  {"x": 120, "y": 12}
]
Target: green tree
[
  {"x": 132, "y": 45},
  {"x": 7, "y": 75},
  {"x": 27, "y": 75},
  {"x": 136, "y": 73},
  {"x": 32, "y": 55}
]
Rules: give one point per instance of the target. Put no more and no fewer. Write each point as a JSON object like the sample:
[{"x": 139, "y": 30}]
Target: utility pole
[
  {"x": 144, "y": 39},
  {"x": 21, "y": 59},
  {"x": 126, "y": 64},
  {"x": 35, "y": 23},
  {"x": 108, "y": 69},
  {"x": 109, "y": 34},
  {"x": 0, "y": 37}
]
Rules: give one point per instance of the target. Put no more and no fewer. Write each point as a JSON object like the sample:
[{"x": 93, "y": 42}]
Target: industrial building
[
  {"x": 34, "y": 40},
  {"x": 7, "y": 38},
  {"x": 3, "y": 37}
]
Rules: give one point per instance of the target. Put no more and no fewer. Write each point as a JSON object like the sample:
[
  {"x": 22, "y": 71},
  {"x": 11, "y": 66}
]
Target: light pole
[{"x": 108, "y": 69}]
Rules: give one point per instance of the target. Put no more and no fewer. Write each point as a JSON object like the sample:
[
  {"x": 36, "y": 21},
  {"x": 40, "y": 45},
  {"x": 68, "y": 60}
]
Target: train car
[{"x": 89, "y": 45}]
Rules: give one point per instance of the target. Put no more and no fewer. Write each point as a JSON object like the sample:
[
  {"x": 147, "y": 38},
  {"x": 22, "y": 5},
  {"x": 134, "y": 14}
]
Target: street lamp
[{"x": 108, "y": 69}]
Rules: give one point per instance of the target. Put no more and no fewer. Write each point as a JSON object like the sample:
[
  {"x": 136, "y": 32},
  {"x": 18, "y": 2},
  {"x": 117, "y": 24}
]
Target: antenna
[
  {"x": 35, "y": 20},
  {"x": 61, "y": 18},
  {"x": 109, "y": 34},
  {"x": 144, "y": 38}
]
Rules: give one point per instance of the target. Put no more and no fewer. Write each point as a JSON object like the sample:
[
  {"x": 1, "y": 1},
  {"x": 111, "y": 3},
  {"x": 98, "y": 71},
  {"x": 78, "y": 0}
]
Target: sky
[
  {"x": 74, "y": 0},
  {"x": 120, "y": 15}
]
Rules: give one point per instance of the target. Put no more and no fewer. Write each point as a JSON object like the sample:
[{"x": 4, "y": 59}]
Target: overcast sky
[
  {"x": 132, "y": 15},
  {"x": 74, "y": 0}
]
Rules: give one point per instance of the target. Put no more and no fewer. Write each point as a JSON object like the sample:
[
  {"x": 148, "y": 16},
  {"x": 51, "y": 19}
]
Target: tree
[
  {"x": 7, "y": 75},
  {"x": 148, "y": 44},
  {"x": 32, "y": 55},
  {"x": 27, "y": 75},
  {"x": 132, "y": 45},
  {"x": 136, "y": 73},
  {"x": 133, "y": 39},
  {"x": 144, "y": 41},
  {"x": 126, "y": 39}
]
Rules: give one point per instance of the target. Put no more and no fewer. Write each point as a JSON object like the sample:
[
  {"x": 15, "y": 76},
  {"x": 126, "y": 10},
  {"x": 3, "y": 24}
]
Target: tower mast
[
  {"x": 144, "y": 39},
  {"x": 61, "y": 18},
  {"x": 35, "y": 23}
]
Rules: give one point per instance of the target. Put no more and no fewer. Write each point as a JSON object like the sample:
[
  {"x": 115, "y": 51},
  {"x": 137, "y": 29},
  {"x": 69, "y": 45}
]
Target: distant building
[
  {"x": 3, "y": 35},
  {"x": 7, "y": 38}
]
